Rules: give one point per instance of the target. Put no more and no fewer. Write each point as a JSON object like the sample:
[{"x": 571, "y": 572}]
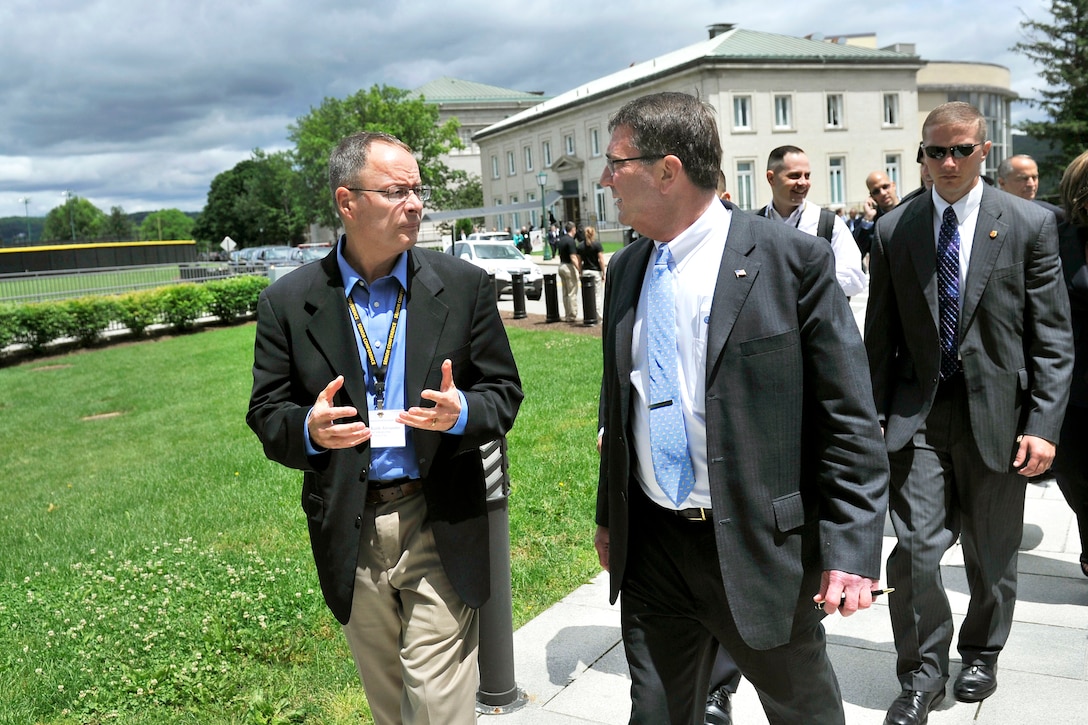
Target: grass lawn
[{"x": 156, "y": 567}]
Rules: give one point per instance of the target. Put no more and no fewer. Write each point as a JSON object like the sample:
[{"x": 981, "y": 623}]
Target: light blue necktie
[
  {"x": 668, "y": 439},
  {"x": 948, "y": 292}
]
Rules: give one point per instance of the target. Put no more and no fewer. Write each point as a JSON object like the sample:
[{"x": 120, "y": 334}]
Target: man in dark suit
[
  {"x": 378, "y": 372},
  {"x": 759, "y": 487},
  {"x": 1019, "y": 175},
  {"x": 968, "y": 336}
]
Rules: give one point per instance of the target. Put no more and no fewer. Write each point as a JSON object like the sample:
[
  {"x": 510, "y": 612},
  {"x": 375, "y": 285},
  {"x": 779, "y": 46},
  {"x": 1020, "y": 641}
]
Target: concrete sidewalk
[{"x": 571, "y": 665}]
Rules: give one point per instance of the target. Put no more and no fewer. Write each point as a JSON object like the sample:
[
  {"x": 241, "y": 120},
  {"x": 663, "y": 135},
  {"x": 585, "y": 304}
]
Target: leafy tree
[
  {"x": 1060, "y": 46},
  {"x": 76, "y": 218},
  {"x": 254, "y": 203},
  {"x": 117, "y": 226},
  {"x": 381, "y": 108},
  {"x": 167, "y": 224}
]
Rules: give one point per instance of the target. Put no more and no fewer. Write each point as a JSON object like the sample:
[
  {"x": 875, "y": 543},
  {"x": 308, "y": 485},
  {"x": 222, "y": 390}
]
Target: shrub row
[{"x": 38, "y": 324}]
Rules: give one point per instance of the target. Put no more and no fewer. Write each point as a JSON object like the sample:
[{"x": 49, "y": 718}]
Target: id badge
[{"x": 385, "y": 431}]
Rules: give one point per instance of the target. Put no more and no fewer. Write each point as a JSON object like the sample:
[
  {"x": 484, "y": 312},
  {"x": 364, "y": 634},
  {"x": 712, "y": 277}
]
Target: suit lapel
[
  {"x": 426, "y": 318},
  {"x": 917, "y": 229},
  {"x": 990, "y": 233},
  {"x": 627, "y": 291},
  {"x": 736, "y": 275},
  {"x": 330, "y": 330}
]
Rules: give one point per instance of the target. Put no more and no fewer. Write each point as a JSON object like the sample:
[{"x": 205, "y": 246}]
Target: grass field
[{"x": 156, "y": 567}]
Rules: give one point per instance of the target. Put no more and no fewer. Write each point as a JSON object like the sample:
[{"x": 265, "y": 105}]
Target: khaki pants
[
  {"x": 413, "y": 640},
  {"x": 569, "y": 277}
]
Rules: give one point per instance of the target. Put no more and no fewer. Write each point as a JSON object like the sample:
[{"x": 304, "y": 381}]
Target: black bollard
[
  {"x": 495, "y": 286},
  {"x": 589, "y": 299},
  {"x": 551, "y": 298},
  {"x": 517, "y": 289},
  {"x": 498, "y": 692}
]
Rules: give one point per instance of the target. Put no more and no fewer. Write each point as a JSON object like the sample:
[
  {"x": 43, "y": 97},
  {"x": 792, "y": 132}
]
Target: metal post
[
  {"x": 495, "y": 286},
  {"x": 589, "y": 299},
  {"x": 498, "y": 692},
  {"x": 551, "y": 298},
  {"x": 517, "y": 291}
]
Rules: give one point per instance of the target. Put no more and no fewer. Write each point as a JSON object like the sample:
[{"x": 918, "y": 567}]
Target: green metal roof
[{"x": 455, "y": 90}]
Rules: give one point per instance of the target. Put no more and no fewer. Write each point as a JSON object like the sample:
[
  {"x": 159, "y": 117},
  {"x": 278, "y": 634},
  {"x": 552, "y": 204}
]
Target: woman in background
[{"x": 1071, "y": 462}]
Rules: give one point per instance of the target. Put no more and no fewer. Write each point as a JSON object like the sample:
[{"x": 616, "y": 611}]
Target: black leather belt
[
  {"x": 388, "y": 491},
  {"x": 695, "y": 514}
]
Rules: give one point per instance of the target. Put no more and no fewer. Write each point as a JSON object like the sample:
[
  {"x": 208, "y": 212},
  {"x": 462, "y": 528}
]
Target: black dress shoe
[
  {"x": 719, "y": 709},
  {"x": 975, "y": 683},
  {"x": 912, "y": 707}
]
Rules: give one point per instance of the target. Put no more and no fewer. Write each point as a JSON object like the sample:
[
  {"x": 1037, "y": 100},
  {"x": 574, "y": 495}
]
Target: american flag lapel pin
[
  {"x": 993, "y": 234},
  {"x": 740, "y": 273}
]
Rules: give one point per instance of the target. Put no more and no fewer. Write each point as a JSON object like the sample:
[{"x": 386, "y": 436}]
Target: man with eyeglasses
[
  {"x": 1019, "y": 175},
  {"x": 969, "y": 343},
  {"x": 742, "y": 476},
  {"x": 882, "y": 199},
  {"x": 379, "y": 372}
]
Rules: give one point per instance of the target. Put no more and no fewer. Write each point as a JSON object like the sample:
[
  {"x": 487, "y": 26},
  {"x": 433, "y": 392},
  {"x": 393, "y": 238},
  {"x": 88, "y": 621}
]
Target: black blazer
[
  {"x": 798, "y": 469},
  {"x": 1075, "y": 270},
  {"x": 304, "y": 340}
]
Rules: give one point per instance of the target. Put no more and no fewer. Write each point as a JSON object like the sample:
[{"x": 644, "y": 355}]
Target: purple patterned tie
[{"x": 948, "y": 292}]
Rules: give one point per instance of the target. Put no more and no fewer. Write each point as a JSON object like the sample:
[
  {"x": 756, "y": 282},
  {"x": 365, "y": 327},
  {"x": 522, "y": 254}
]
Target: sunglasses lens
[
  {"x": 935, "y": 152},
  {"x": 962, "y": 152}
]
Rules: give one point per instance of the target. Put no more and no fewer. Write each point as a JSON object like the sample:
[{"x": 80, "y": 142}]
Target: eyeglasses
[
  {"x": 961, "y": 151},
  {"x": 611, "y": 164},
  {"x": 880, "y": 189},
  {"x": 398, "y": 193}
]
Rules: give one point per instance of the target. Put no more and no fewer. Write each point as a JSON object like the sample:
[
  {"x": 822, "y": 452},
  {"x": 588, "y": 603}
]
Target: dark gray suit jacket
[
  {"x": 798, "y": 471},
  {"x": 304, "y": 340},
  {"x": 1014, "y": 337}
]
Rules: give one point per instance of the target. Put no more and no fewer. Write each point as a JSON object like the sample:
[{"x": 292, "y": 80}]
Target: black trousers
[
  {"x": 1071, "y": 468},
  {"x": 674, "y": 612}
]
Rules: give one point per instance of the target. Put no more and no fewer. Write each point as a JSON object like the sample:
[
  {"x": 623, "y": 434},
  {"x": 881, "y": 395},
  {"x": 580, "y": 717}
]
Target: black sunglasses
[{"x": 961, "y": 151}]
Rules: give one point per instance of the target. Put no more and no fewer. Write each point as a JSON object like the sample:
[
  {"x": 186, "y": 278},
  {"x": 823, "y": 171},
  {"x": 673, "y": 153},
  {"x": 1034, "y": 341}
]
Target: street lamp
[
  {"x": 25, "y": 201},
  {"x": 71, "y": 219},
  {"x": 542, "y": 179}
]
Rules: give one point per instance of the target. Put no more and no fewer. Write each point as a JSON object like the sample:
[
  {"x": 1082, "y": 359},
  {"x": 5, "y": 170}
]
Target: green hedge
[{"x": 40, "y": 323}]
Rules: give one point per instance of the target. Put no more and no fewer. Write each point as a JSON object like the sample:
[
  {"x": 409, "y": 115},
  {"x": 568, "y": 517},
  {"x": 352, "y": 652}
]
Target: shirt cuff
[
  {"x": 311, "y": 449},
  {"x": 462, "y": 420}
]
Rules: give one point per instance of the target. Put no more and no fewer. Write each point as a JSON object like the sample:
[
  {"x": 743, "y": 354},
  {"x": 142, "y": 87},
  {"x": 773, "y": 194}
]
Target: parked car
[
  {"x": 490, "y": 237},
  {"x": 303, "y": 255},
  {"x": 501, "y": 258},
  {"x": 279, "y": 256}
]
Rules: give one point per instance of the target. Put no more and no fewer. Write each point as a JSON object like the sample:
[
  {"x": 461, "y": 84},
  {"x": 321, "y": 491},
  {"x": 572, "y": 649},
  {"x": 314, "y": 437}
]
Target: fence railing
[{"x": 22, "y": 287}]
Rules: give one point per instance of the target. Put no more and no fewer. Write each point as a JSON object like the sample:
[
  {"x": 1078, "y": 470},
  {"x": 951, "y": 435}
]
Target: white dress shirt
[
  {"x": 697, "y": 253},
  {"x": 966, "y": 218}
]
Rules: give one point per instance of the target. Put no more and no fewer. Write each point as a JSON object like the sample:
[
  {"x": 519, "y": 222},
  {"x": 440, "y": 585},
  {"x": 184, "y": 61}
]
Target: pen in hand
[{"x": 875, "y": 592}]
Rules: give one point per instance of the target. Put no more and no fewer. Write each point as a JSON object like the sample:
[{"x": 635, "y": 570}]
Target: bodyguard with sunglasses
[
  {"x": 378, "y": 372},
  {"x": 969, "y": 344}
]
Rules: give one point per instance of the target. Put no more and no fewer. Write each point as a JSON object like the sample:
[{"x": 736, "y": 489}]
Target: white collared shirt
[
  {"x": 697, "y": 252},
  {"x": 848, "y": 270},
  {"x": 966, "y": 218}
]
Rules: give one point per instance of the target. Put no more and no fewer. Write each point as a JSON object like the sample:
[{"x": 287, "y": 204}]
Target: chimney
[{"x": 718, "y": 28}]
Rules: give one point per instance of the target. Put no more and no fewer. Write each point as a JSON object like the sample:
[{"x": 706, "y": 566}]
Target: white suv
[{"x": 500, "y": 258}]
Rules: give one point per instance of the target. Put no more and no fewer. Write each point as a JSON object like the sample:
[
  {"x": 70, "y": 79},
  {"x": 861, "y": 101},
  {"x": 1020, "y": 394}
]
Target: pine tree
[{"x": 1060, "y": 46}]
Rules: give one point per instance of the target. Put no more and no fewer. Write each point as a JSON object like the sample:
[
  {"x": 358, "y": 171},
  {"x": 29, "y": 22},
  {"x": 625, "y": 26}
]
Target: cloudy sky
[{"x": 140, "y": 104}]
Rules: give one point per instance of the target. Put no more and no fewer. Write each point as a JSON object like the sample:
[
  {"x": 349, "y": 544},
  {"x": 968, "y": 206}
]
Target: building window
[
  {"x": 511, "y": 166},
  {"x": 546, "y": 152},
  {"x": 891, "y": 109},
  {"x": 835, "y": 181},
  {"x": 494, "y": 167},
  {"x": 568, "y": 144},
  {"x": 892, "y": 163},
  {"x": 601, "y": 203},
  {"x": 742, "y": 195},
  {"x": 742, "y": 113},
  {"x": 783, "y": 112},
  {"x": 528, "y": 158},
  {"x": 594, "y": 142},
  {"x": 835, "y": 117},
  {"x": 498, "y": 217},
  {"x": 531, "y": 196}
]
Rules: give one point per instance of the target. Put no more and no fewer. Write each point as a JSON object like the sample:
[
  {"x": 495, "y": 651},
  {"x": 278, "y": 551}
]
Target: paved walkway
[{"x": 570, "y": 663}]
